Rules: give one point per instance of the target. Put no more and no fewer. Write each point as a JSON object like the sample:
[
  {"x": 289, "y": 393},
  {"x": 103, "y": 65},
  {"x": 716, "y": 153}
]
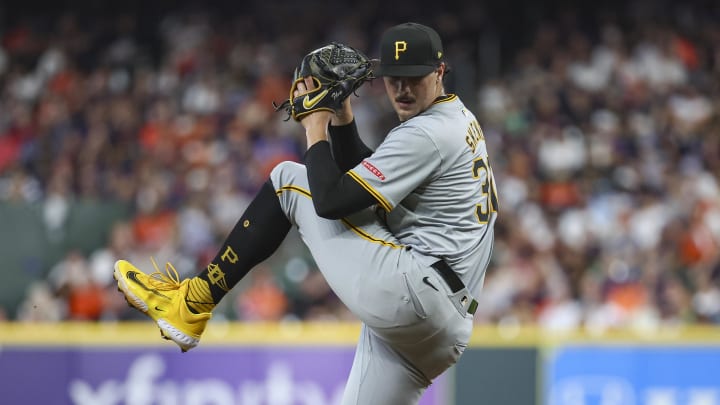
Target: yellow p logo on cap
[{"x": 400, "y": 46}]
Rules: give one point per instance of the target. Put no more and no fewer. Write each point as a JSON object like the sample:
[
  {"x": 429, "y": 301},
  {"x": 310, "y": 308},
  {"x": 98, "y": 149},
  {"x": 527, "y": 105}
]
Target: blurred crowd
[{"x": 604, "y": 138}]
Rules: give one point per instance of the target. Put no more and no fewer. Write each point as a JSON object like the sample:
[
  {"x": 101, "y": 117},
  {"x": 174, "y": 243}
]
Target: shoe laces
[{"x": 169, "y": 280}]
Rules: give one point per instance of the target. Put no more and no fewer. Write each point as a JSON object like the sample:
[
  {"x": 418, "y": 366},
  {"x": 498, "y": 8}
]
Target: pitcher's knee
[{"x": 289, "y": 173}]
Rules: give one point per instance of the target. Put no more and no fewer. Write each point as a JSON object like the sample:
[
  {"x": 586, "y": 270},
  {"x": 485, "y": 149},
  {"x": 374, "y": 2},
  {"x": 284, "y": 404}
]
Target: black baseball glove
[{"x": 337, "y": 69}]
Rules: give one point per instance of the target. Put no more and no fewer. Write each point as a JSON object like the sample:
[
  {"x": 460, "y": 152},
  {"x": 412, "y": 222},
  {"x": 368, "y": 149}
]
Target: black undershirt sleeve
[
  {"x": 347, "y": 147},
  {"x": 334, "y": 193}
]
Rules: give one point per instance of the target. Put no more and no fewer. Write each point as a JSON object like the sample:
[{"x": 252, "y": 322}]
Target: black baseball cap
[{"x": 409, "y": 50}]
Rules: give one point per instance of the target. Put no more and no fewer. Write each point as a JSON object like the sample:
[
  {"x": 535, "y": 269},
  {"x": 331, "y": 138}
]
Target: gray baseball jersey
[
  {"x": 436, "y": 200},
  {"x": 432, "y": 177}
]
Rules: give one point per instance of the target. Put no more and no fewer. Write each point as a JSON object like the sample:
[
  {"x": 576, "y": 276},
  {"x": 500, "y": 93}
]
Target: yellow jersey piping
[
  {"x": 369, "y": 237},
  {"x": 297, "y": 189},
  {"x": 380, "y": 199},
  {"x": 352, "y": 227},
  {"x": 449, "y": 97}
]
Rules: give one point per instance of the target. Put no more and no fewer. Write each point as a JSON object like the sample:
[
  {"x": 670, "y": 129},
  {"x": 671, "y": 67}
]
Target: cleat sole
[{"x": 133, "y": 300}]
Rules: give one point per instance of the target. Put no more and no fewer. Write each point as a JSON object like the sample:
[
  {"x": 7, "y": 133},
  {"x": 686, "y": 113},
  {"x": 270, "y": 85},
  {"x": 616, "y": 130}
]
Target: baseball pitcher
[{"x": 402, "y": 234}]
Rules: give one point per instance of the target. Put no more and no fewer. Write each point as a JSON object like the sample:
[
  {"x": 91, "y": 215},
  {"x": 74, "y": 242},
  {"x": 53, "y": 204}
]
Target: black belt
[{"x": 454, "y": 282}]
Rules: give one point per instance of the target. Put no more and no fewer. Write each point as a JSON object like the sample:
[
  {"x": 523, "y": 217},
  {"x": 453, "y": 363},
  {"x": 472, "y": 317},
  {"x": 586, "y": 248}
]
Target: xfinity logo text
[{"x": 144, "y": 385}]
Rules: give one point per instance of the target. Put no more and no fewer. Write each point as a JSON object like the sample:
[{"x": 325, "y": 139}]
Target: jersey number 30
[{"x": 489, "y": 204}]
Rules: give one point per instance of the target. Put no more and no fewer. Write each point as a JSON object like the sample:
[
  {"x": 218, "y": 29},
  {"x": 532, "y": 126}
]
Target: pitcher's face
[{"x": 410, "y": 96}]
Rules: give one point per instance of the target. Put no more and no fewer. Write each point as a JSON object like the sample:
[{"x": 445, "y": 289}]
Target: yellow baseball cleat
[{"x": 162, "y": 298}]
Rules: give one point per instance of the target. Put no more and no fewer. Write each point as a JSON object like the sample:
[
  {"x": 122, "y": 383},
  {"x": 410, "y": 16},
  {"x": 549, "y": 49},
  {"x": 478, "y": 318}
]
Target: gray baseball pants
[{"x": 413, "y": 330}]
